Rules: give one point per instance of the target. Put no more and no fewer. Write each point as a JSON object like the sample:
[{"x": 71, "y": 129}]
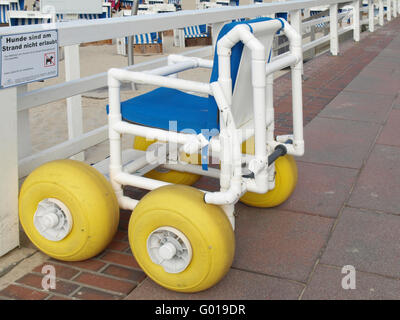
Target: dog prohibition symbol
[{"x": 49, "y": 60}]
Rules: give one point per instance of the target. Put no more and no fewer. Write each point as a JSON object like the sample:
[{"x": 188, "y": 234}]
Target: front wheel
[{"x": 179, "y": 241}]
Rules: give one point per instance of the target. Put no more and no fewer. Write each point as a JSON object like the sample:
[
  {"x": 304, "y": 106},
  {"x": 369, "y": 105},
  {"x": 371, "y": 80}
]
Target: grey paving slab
[
  {"x": 320, "y": 189},
  {"x": 367, "y": 240},
  {"x": 391, "y": 132},
  {"x": 279, "y": 243},
  {"x": 338, "y": 142},
  {"x": 375, "y": 80},
  {"x": 378, "y": 186},
  {"x": 237, "y": 285},
  {"x": 360, "y": 106},
  {"x": 326, "y": 284}
]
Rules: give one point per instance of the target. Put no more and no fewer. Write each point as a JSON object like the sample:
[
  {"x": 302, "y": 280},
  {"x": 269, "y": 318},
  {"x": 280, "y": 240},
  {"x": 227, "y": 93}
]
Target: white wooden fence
[{"x": 17, "y": 159}]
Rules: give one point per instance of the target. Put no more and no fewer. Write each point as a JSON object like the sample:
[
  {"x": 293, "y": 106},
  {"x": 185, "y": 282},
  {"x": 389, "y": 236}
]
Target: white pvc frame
[{"x": 228, "y": 143}]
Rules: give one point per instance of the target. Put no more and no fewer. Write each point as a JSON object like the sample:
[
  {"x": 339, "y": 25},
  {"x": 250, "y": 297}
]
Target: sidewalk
[{"x": 345, "y": 209}]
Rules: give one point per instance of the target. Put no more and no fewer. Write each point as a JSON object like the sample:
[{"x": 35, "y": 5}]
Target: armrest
[
  {"x": 199, "y": 62},
  {"x": 115, "y": 76}
]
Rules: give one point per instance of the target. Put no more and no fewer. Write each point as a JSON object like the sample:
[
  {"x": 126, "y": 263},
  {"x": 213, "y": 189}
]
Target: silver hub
[
  {"x": 52, "y": 219},
  {"x": 169, "y": 248}
]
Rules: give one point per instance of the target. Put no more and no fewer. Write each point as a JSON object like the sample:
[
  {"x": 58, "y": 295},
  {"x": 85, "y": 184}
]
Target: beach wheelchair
[{"x": 182, "y": 237}]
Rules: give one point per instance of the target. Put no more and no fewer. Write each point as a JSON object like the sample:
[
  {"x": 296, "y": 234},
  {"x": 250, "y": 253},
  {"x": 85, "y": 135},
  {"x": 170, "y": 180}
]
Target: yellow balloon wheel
[
  {"x": 171, "y": 176},
  {"x": 87, "y": 208},
  {"x": 202, "y": 230},
  {"x": 285, "y": 181}
]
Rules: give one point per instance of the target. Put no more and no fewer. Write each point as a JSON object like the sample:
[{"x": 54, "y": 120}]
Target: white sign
[
  {"x": 28, "y": 57},
  {"x": 71, "y": 6}
]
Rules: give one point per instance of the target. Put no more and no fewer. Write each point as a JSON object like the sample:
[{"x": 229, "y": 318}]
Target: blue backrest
[{"x": 237, "y": 54}]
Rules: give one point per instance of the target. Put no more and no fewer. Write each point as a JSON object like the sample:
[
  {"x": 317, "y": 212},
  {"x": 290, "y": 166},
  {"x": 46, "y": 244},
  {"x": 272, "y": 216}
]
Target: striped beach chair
[
  {"x": 21, "y": 18},
  {"x": 107, "y": 13},
  {"x": 317, "y": 10},
  {"x": 196, "y": 31},
  {"x": 148, "y": 43},
  {"x": 9, "y": 5},
  {"x": 192, "y": 36}
]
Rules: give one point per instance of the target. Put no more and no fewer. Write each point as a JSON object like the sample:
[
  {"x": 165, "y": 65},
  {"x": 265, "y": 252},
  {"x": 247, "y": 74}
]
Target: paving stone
[
  {"x": 125, "y": 273},
  {"x": 118, "y": 245},
  {"x": 279, "y": 243},
  {"x": 387, "y": 60},
  {"x": 93, "y": 294},
  {"x": 391, "y": 133},
  {"x": 106, "y": 283},
  {"x": 366, "y": 240},
  {"x": 326, "y": 284},
  {"x": 120, "y": 258},
  {"x": 361, "y": 106},
  {"x": 22, "y": 293},
  {"x": 34, "y": 280},
  {"x": 375, "y": 80},
  {"x": 320, "y": 189},
  {"x": 338, "y": 142},
  {"x": 396, "y": 103},
  {"x": 62, "y": 272},
  {"x": 237, "y": 285},
  {"x": 378, "y": 186},
  {"x": 55, "y": 297},
  {"x": 93, "y": 265}
]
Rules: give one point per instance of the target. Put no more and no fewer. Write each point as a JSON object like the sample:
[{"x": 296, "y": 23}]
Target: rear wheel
[
  {"x": 166, "y": 175},
  {"x": 285, "y": 181},
  {"x": 68, "y": 210}
]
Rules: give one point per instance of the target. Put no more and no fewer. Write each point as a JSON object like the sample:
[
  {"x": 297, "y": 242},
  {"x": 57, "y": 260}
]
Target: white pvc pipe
[
  {"x": 281, "y": 63},
  {"x": 146, "y": 78},
  {"x": 200, "y": 63}
]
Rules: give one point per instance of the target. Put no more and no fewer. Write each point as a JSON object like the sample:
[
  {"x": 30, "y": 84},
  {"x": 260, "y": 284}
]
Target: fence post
[
  {"x": 74, "y": 104},
  {"x": 389, "y": 10},
  {"x": 356, "y": 20},
  {"x": 381, "y": 13},
  {"x": 333, "y": 28},
  {"x": 371, "y": 16},
  {"x": 9, "y": 228},
  {"x": 295, "y": 20},
  {"x": 215, "y": 29},
  {"x": 24, "y": 133}
]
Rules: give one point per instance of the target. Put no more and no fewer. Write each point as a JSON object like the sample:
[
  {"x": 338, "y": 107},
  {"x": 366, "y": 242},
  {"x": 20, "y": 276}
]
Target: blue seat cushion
[{"x": 160, "y": 106}]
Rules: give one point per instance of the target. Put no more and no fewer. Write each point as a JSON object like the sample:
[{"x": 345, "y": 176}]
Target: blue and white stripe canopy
[
  {"x": 147, "y": 38},
  {"x": 27, "y": 21},
  {"x": 196, "y": 31},
  {"x": 11, "y": 5}
]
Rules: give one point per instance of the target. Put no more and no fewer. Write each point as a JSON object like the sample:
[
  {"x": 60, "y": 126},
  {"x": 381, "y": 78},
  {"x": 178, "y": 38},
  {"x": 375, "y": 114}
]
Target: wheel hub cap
[
  {"x": 52, "y": 219},
  {"x": 169, "y": 248}
]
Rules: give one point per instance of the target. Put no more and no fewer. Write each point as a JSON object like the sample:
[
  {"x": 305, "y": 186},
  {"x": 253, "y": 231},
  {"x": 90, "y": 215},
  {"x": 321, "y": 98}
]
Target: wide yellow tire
[
  {"x": 165, "y": 175},
  {"x": 205, "y": 226},
  {"x": 86, "y": 194},
  {"x": 285, "y": 181}
]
